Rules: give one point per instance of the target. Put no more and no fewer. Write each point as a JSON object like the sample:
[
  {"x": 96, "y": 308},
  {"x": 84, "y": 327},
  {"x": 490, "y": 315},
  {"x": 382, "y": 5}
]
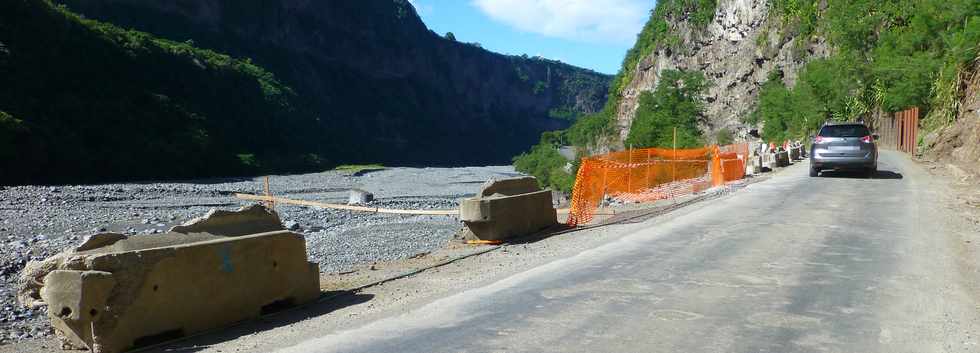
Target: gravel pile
[{"x": 40, "y": 221}]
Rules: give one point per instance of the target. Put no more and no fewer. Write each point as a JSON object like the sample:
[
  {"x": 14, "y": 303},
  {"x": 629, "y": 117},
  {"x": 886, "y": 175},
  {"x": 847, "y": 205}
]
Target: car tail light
[
  {"x": 819, "y": 139},
  {"x": 866, "y": 139}
]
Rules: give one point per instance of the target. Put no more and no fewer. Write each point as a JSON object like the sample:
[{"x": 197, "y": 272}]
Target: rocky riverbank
[{"x": 39, "y": 221}]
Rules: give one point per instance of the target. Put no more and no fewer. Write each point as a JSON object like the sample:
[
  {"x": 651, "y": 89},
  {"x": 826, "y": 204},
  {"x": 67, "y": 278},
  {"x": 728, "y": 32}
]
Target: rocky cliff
[
  {"x": 784, "y": 67},
  {"x": 737, "y": 50},
  {"x": 387, "y": 89}
]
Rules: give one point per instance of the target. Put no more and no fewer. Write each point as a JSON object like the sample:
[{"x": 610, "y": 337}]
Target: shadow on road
[
  {"x": 330, "y": 301},
  {"x": 881, "y": 174}
]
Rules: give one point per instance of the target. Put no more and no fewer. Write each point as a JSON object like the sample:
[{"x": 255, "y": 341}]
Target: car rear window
[{"x": 845, "y": 131}]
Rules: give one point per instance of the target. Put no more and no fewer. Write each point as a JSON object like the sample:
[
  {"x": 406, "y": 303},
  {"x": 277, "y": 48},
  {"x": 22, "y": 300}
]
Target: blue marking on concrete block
[{"x": 225, "y": 253}]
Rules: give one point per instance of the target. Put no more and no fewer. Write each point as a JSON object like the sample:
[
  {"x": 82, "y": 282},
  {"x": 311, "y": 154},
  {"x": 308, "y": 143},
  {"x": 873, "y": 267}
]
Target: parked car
[{"x": 844, "y": 146}]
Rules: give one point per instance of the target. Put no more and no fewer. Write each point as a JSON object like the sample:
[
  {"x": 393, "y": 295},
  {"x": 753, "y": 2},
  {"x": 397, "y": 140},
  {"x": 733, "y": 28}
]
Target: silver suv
[{"x": 844, "y": 146}]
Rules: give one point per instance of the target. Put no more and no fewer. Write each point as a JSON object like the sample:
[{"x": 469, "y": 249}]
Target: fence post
[
  {"x": 717, "y": 178},
  {"x": 647, "y": 185},
  {"x": 268, "y": 192},
  {"x": 673, "y": 163},
  {"x": 605, "y": 174},
  {"x": 629, "y": 173}
]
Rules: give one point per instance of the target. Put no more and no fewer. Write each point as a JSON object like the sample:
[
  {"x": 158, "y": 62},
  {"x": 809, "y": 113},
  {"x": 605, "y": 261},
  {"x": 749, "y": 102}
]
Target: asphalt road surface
[{"x": 794, "y": 264}]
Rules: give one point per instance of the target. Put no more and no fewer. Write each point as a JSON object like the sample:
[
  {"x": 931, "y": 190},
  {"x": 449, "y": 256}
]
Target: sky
[{"x": 593, "y": 34}]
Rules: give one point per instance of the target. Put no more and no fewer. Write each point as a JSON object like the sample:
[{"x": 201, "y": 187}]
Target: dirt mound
[{"x": 959, "y": 143}]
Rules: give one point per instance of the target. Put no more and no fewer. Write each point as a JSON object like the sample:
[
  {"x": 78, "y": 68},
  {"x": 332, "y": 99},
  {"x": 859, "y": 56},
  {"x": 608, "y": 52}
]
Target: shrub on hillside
[
  {"x": 675, "y": 103},
  {"x": 545, "y": 163}
]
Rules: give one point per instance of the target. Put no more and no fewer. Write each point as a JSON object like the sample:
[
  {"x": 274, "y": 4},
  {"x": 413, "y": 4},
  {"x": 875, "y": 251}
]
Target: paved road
[{"x": 793, "y": 264}]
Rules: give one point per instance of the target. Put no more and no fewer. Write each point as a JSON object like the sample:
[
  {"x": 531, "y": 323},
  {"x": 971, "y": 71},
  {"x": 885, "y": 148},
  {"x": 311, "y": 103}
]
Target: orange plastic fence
[{"x": 651, "y": 174}]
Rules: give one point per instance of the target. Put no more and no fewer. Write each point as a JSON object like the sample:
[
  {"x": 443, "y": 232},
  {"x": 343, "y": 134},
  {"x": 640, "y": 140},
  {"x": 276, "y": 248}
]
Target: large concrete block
[
  {"x": 782, "y": 159},
  {"x": 794, "y": 153},
  {"x": 146, "y": 289},
  {"x": 508, "y": 208},
  {"x": 252, "y": 219}
]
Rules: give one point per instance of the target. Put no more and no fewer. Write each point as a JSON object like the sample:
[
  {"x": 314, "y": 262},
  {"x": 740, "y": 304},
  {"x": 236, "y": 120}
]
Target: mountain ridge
[
  {"x": 303, "y": 86},
  {"x": 378, "y": 63}
]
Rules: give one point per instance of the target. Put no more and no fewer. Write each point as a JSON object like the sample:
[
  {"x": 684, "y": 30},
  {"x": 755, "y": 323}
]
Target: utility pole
[{"x": 629, "y": 170}]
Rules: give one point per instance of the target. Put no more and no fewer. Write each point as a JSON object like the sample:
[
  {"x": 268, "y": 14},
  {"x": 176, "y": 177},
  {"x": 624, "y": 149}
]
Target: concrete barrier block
[
  {"x": 782, "y": 159},
  {"x": 509, "y": 186},
  {"x": 145, "y": 289},
  {"x": 252, "y": 219},
  {"x": 794, "y": 154},
  {"x": 508, "y": 208},
  {"x": 767, "y": 161},
  {"x": 73, "y": 298}
]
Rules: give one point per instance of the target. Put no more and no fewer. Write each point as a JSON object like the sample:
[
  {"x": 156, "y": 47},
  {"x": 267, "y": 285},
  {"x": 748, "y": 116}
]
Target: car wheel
[
  {"x": 814, "y": 172},
  {"x": 871, "y": 172}
]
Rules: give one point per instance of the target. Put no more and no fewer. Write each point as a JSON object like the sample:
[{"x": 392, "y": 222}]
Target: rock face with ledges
[{"x": 736, "y": 51}]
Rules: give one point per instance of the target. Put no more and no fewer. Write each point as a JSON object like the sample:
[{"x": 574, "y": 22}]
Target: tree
[
  {"x": 13, "y": 133},
  {"x": 451, "y": 36},
  {"x": 787, "y": 113},
  {"x": 544, "y": 162},
  {"x": 675, "y": 103},
  {"x": 724, "y": 136}
]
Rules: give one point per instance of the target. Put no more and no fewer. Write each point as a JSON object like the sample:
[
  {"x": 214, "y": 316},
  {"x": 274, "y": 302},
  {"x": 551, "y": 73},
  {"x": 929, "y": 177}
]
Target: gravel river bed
[{"x": 40, "y": 221}]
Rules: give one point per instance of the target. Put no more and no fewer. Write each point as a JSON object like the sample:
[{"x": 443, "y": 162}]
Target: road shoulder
[{"x": 343, "y": 309}]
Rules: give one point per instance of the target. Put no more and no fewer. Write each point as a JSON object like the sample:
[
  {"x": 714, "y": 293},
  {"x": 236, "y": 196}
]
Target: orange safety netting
[{"x": 651, "y": 174}]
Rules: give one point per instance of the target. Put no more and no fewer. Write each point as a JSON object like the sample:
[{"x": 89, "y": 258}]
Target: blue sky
[{"x": 594, "y": 34}]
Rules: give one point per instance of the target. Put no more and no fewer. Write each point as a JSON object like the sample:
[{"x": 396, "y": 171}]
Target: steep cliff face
[
  {"x": 737, "y": 51},
  {"x": 388, "y": 89}
]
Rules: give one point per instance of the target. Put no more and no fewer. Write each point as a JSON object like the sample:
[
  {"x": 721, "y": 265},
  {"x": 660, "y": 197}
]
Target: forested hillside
[
  {"x": 84, "y": 101},
  {"x": 133, "y": 90},
  {"x": 390, "y": 90},
  {"x": 888, "y": 56},
  {"x": 781, "y": 66}
]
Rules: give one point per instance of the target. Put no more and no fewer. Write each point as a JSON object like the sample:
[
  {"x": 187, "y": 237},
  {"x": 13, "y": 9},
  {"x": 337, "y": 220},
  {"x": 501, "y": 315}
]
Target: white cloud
[
  {"x": 421, "y": 8},
  {"x": 582, "y": 20}
]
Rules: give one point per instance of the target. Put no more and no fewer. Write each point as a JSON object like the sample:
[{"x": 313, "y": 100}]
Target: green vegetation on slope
[
  {"x": 656, "y": 33},
  {"x": 544, "y": 162},
  {"x": 823, "y": 92},
  {"x": 890, "y": 55},
  {"x": 724, "y": 136},
  {"x": 87, "y": 101},
  {"x": 10, "y": 129},
  {"x": 383, "y": 86},
  {"x": 593, "y": 128},
  {"x": 675, "y": 103}
]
